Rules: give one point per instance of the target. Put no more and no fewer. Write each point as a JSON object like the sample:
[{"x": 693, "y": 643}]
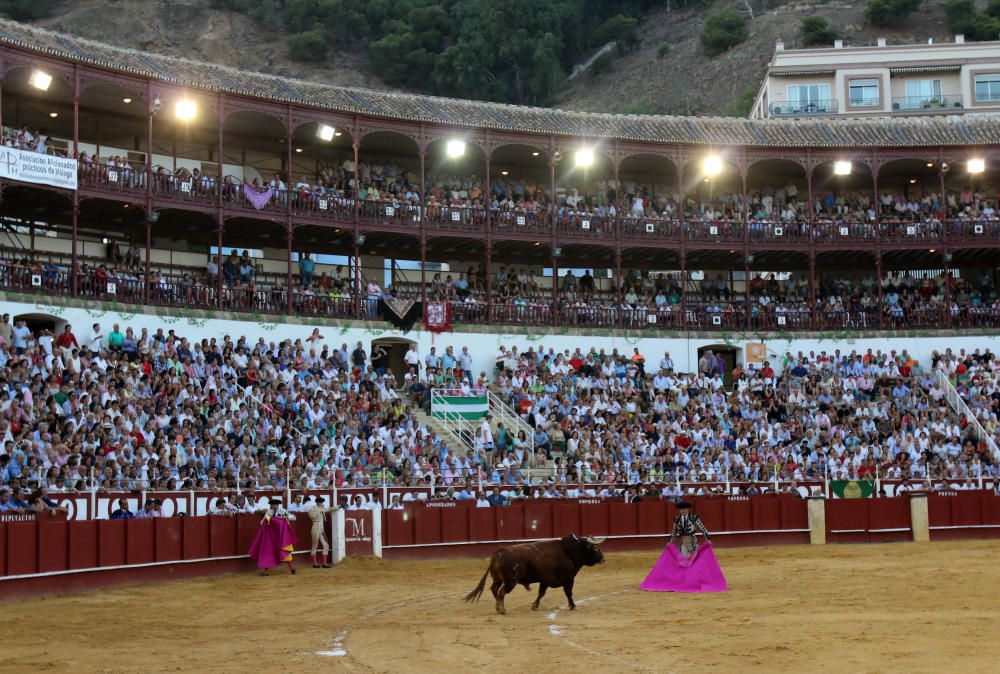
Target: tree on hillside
[
  {"x": 723, "y": 30},
  {"x": 962, "y": 18},
  {"x": 817, "y": 31},
  {"x": 27, "y": 10},
  {"x": 308, "y": 46},
  {"x": 888, "y": 12}
]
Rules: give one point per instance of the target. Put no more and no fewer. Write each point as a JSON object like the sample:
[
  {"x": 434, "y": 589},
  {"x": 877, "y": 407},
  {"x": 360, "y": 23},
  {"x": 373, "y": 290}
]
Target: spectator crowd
[{"x": 111, "y": 408}]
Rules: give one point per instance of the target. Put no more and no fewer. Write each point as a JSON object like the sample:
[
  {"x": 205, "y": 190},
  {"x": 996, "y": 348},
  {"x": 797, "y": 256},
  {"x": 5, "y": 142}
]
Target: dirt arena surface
[{"x": 834, "y": 608}]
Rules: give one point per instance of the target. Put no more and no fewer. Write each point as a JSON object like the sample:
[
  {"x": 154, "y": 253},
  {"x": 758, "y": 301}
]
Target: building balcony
[
  {"x": 800, "y": 109},
  {"x": 926, "y": 103}
]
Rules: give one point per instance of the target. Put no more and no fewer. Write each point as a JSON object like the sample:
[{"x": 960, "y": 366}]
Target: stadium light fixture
[
  {"x": 299, "y": 150},
  {"x": 713, "y": 165},
  {"x": 535, "y": 153},
  {"x": 126, "y": 100},
  {"x": 930, "y": 164},
  {"x": 40, "y": 80},
  {"x": 584, "y": 157},
  {"x": 186, "y": 109},
  {"x": 503, "y": 173},
  {"x": 325, "y": 132},
  {"x": 53, "y": 115},
  {"x": 455, "y": 148},
  {"x": 842, "y": 168},
  {"x": 976, "y": 165}
]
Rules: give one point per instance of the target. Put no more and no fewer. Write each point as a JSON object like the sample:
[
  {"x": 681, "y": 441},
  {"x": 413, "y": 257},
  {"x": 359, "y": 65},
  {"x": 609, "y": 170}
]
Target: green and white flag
[
  {"x": 464, "y": 407},
  {"x": 852, "y": 488}
]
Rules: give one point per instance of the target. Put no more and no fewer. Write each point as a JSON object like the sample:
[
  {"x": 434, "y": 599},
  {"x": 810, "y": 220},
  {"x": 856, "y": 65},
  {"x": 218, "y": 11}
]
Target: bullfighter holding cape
[
  {"x": 274, "y": 541},
  {"x": 686, "y": 566}
]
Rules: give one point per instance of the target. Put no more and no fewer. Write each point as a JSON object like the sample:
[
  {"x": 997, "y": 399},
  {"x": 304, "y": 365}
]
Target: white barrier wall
[{"x": 483, "y": 346}]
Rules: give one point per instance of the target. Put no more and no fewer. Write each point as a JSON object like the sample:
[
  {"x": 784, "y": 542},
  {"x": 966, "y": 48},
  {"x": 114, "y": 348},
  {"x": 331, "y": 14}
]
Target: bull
[{"x": 548, "y": 563}]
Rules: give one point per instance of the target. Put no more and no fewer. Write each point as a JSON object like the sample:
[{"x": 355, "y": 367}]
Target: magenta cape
[
  {"x": 273, "y": 543},
  {"x": 674, "y": 572}
]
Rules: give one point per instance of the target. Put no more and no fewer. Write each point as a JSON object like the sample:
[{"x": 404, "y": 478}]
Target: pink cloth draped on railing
[
  {"x": 676, "y": 573},
  {"x": 257, "y": 198}
]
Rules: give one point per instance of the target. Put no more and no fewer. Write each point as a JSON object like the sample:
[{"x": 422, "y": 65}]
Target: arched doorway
[
  {"x": 36, "y": 322},
  {"x": 387, "y": 356},
  {"x": 730, "y": 356}
]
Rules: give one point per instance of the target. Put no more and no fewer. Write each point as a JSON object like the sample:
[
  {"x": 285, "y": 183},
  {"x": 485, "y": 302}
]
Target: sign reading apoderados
[{"x": 42, "y": 169}]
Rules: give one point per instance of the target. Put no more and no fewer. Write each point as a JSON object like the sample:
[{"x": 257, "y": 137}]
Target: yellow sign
[{"x": 756, "y": 352}]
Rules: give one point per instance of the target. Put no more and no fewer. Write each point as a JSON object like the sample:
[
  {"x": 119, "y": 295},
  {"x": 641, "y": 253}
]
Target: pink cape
[
  {"x": 674, "y": 572},
  {"x": 273, "y": 543}
]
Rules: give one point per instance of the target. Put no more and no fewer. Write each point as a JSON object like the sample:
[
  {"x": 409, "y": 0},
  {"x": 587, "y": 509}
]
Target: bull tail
[{"x": 475, "y": 594}]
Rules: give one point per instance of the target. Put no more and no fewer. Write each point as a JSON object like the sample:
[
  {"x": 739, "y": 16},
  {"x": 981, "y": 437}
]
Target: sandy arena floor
[{"x": 838, "y": 608}]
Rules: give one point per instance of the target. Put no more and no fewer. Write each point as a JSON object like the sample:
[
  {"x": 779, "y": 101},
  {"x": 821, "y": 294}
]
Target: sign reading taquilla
[{"x": 41, "y": 169}]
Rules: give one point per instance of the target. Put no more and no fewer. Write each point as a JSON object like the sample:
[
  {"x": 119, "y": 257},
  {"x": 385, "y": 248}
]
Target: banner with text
[{"x": 41, "y": 169}]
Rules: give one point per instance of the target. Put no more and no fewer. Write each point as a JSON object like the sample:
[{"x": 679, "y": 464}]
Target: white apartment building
[{"x": 948, "y": 78}]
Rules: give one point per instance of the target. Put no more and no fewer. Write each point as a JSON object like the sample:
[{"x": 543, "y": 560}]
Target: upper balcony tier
[{"x": 81, "y": 64}]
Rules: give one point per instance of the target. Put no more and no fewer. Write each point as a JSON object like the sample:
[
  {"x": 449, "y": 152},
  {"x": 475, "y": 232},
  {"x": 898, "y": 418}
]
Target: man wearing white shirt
[
  {"x": 412, "y": 359},
  {"x": 465, "y": 362},
  {"x": 96, "y": 340},
  {"x": 487, "y": 433}
]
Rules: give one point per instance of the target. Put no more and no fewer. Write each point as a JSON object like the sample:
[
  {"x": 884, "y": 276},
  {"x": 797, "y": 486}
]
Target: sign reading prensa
[{"x": 41, "y": 169}]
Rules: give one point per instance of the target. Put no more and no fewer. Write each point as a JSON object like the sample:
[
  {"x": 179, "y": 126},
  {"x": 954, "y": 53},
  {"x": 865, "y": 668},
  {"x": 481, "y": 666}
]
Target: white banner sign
[{"x": 33, "y": 167}]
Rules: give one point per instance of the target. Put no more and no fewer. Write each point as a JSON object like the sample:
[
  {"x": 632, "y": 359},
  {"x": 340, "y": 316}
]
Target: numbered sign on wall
[
  {"x": 844, "y": 231},
  {"x": 36, "y": 280},
  {"x": 650, "y": 228},
  {"x": 521, "y": 220},
  {"x": 324, "y": 205},
  {"x": 112, "y": 288},
  {"x": 112, "y": 176},
  {"x": 779, "y": 231},
  {"x": 585, "y": 224},
  {"x": 781, "y": 320},
  {"x": 713, "y": 230},
  {"x": 186, "y": 187},
  {"x": 390, "y": 211},
  {"x": 716, "y": 320},
  {"x": 978, "y": 229},
  {"x": 456, "y": 216}
]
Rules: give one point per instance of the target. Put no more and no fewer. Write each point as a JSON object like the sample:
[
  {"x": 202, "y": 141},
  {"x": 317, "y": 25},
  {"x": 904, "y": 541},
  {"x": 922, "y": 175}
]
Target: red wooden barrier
[
  {"x": 53, "y": 541},
  {"x": 222, "y": 537},
  {"x": 510, "y": 522},
  {"x": 538, "y": 520},
  {"x": 427, "y": 525},
  {"x": 454, "y": 524},
  {"x": 246, "y": 530},
  {"x": 595, "y": 520},
  {"x": 140, "y": 541},
  {"x": 766, "y": 514},
  {"x": 566, "y": 519},
  {"x": 168, "y": 532},
  {"x": 83, "y": 546},
  {"x": 652, "y": 516},
  {"x": 737, "y": 514},
  {"x": 22, "y": 548},
  {"x": 195, "y": 538},
  {"x": 482, "y": 524},
  {"x": 399, "y": 527},
  {"x": 110, "y": 542}
]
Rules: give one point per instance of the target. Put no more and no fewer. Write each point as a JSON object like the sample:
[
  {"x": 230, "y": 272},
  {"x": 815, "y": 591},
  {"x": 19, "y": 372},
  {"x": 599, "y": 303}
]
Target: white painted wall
[{"x": 684, "y": 351}]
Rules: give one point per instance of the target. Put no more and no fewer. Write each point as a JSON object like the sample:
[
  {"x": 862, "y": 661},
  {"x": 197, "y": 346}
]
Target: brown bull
[{"x": 548, "y": 563}]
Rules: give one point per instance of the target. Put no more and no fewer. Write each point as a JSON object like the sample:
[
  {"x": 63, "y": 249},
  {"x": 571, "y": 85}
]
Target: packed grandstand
[
  {"x": 512, "y": 216},
  {"x": 120, "y": 410}
]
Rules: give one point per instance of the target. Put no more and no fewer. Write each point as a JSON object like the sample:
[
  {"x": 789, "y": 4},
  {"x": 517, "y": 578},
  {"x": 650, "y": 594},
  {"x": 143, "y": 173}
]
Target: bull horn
[{"x": 597, "y": 541}]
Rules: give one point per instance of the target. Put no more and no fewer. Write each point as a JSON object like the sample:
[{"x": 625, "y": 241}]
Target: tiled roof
[{"x": 870, "y": 132}]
